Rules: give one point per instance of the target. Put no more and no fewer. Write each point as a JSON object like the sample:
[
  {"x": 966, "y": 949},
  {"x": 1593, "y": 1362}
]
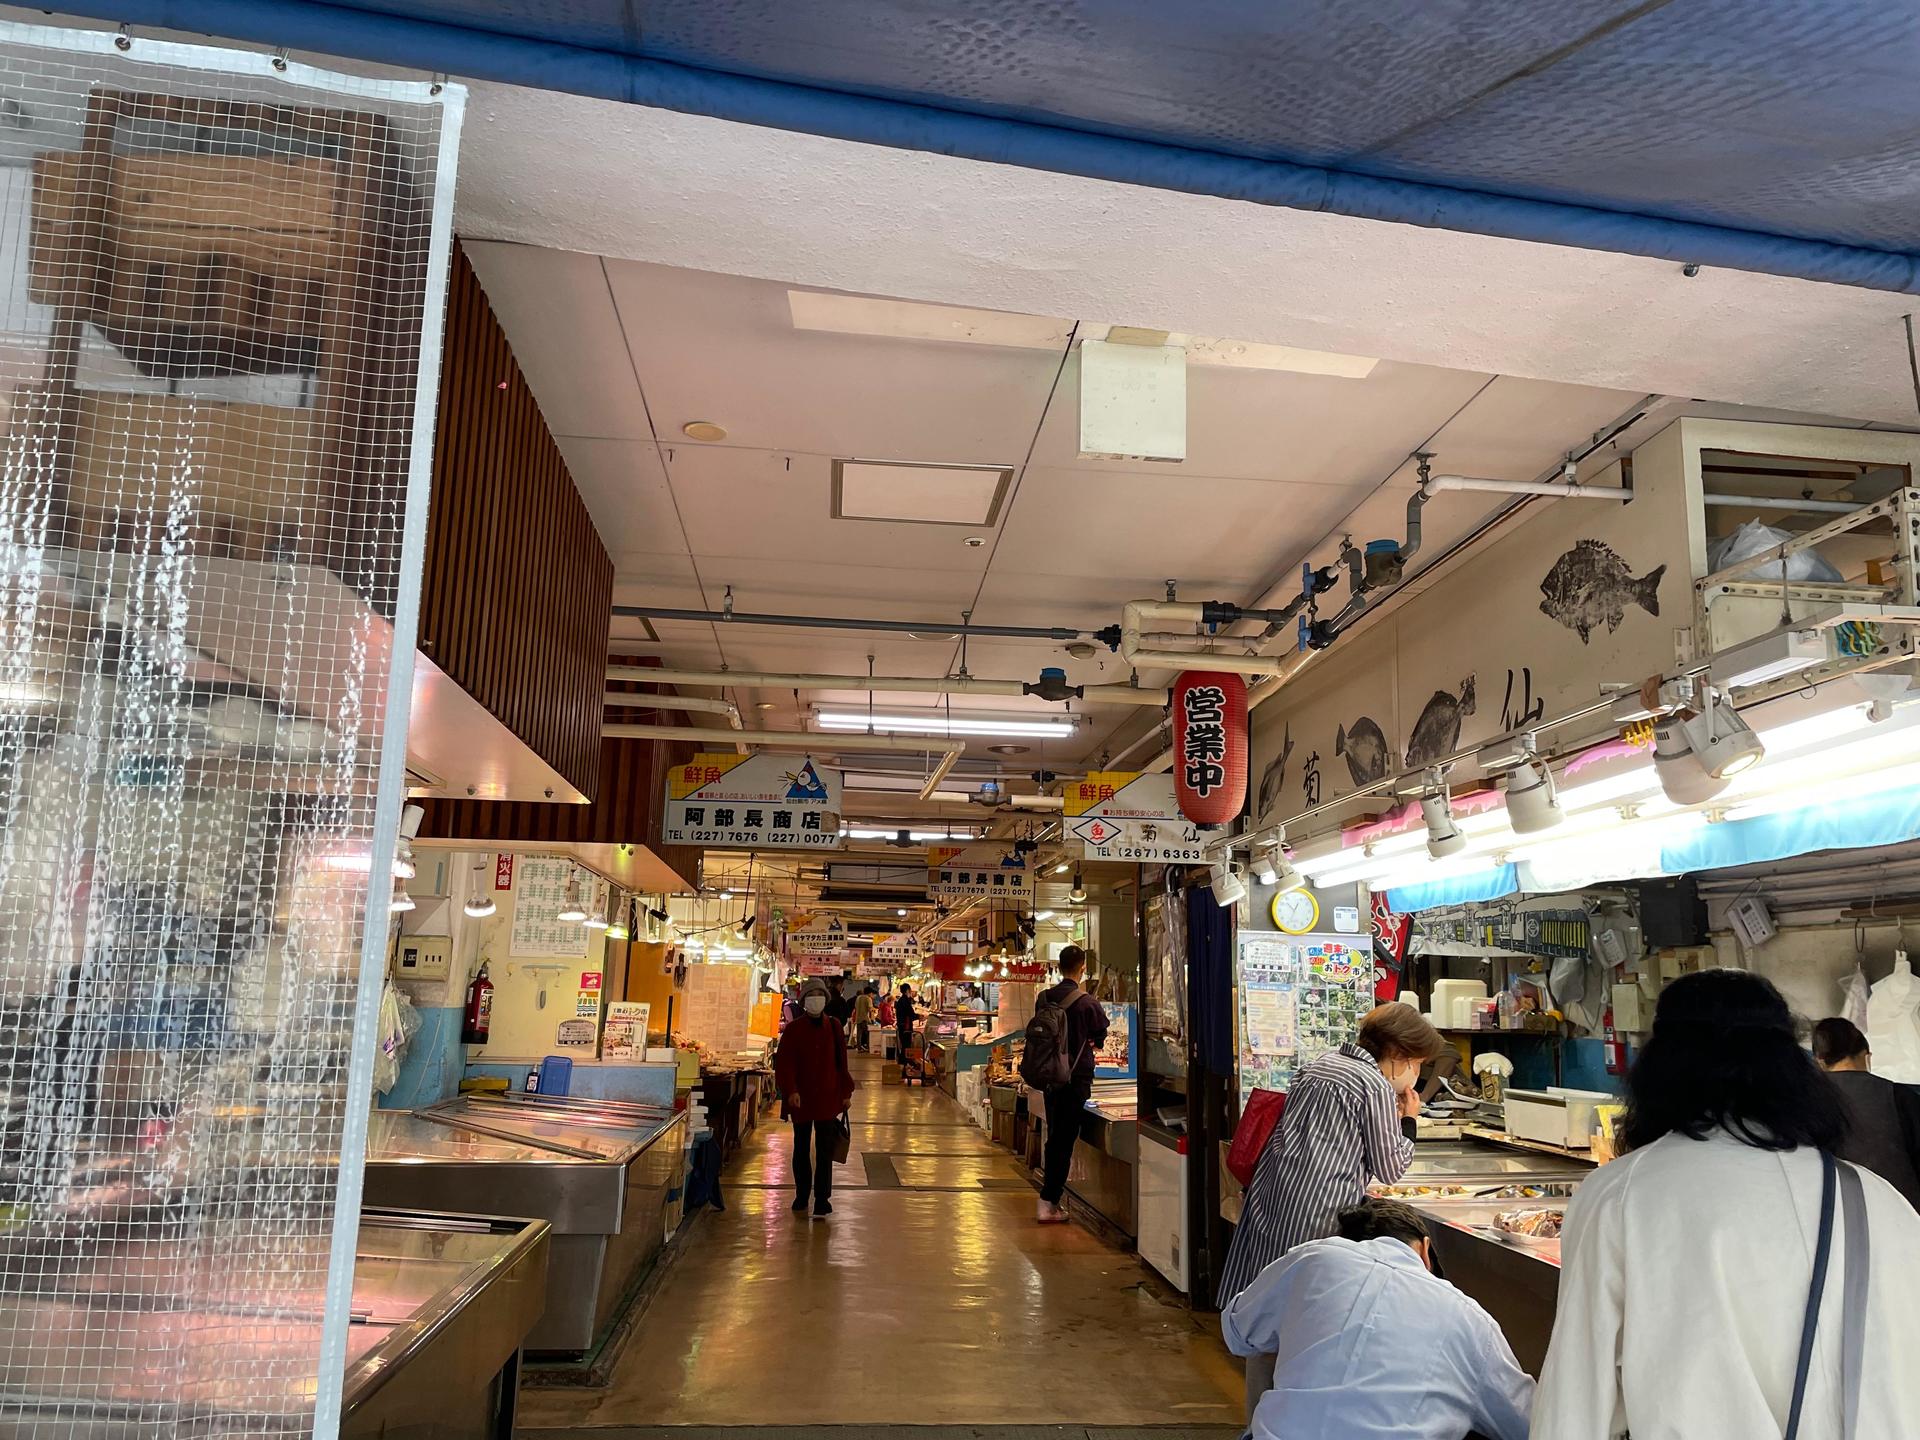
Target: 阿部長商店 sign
[
  {"x": 762, "y": 801},
  {"x": 977, "y": 872}
]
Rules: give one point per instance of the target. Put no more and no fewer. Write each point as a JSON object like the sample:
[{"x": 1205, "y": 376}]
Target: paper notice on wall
[
  {"x": 718, "y": 1002},
  {"x": 1272, "y": 1019},
  {"x": 539, "y": 892},
  {"x": 625, "y": 1036}
]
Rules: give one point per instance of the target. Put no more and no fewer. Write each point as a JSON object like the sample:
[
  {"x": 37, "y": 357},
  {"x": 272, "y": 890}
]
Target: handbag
[
  {"x": 1250, "y": 1136},
  {"x": 1846, "y": 1180},
  {"x": 842, "y": 1140}
]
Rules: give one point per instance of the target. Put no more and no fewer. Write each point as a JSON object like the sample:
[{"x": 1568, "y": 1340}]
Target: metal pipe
[
  {"x": 939, "y": 772},
  {"x": 828, "y": 622},
  {"x": 1775, "y": 502},
  {"x": 618, "y": 700},
  {"x": 906, "y": 684},
  {"x": 787, "y": 739},
  {"x": 1558, "y": 489},
  {"x": 1139, "y": 655}
]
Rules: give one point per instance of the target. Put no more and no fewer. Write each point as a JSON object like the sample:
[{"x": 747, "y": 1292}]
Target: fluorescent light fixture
[
  {"x": 1062, "y": 868},
  {"x": 948, "y": 727},
  {"x": 1044, "y": 915},
  {"x": 863, "y": 832},
  {"x": 1769, "y": 657},
  {"x": 1264, "y": 870}
]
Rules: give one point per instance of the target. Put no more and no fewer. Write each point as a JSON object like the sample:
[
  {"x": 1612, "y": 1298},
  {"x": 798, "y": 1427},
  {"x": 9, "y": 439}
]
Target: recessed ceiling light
[
  {"x": 703, "y": 430},
  {"x": 974, "y": 542},
  {"x": 1082, "y": 650},
  {"x": 1009, "y": 749},
  {"x": 766, "y": 705}
]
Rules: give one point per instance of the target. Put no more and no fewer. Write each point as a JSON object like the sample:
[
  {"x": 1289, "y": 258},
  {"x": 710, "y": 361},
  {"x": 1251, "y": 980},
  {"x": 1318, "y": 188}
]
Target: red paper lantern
[{"x": 1210, "y": 745}]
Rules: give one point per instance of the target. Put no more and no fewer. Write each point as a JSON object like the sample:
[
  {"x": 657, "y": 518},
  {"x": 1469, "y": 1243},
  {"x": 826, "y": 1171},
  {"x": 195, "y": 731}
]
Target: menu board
[
  {"x": 1299, "y": 996},
  {"x": 718, "y": 998},
  {"x": 539, "y": 891},
  {"x": 625, "y": 1037}
]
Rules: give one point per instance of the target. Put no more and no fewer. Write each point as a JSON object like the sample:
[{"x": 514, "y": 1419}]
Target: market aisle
[{"x": 929, "y": 1298}]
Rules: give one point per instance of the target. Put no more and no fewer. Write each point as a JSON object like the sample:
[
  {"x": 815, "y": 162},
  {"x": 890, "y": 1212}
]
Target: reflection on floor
[{"x": 929, "y": 1298}]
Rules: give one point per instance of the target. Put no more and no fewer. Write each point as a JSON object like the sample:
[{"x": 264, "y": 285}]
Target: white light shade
[
  {"x": 1286, "y": 879},
  {"x": 1724, "y": 742},
  {"x": 401, "y": 900},
  {"x": 1684, "y": 779},
  {"x": 1443, "y": 836},
  {"x": 571, "y": 910},
  {"x": 1533, "y": 801},
  {"x": 479, "y": 907},
  {"x": 1228, "y": 888}
]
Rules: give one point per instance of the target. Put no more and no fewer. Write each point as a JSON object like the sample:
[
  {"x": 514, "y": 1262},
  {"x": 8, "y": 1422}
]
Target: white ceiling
[{"x": 623, "y": 354}]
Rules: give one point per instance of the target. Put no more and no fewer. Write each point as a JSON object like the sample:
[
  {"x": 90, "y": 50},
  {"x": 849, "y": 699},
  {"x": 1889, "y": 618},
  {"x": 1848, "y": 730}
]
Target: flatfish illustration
[
  {"x": 1436, "y": 734},
  {"x": 1590, "y": 586},
  {"x": 1275, "y": 774},
  {"x": 1365, "y": 747}
]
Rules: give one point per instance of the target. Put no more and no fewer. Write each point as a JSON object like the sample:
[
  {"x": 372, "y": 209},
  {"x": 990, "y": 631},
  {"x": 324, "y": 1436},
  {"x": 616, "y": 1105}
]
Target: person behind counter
[
  {"x": 1687, "y": 1264},
  {"x": 907, "y": 1013},
  {"x": 1883, "y": 1119},
  {"x": 1349, "y": 1121},
  {"x": 1367, "y": 1341},
  {"x": 1066, "y": 1105},
  {"x": 816, "y": 1086}
]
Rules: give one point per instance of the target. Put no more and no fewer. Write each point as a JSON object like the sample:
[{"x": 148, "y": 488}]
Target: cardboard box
[{"x": 892, "y": 1074}]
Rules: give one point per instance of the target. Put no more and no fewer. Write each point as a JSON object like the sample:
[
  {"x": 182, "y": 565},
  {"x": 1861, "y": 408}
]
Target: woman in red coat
[{"x": 815, "y": 1089}]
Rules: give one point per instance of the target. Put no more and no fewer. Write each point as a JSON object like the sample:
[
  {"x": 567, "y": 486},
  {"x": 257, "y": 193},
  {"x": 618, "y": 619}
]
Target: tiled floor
[{"x": 928, "y": 1298}]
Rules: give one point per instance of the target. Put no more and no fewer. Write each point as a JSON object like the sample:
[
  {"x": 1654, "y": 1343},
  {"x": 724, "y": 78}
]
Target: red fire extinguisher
[
  {"x": 1613, "y": 1048},
  {"x": 479, "y": 1014}
]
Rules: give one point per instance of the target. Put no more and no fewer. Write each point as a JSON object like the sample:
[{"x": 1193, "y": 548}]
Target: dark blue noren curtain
[{"x": 1210, "y": 966}]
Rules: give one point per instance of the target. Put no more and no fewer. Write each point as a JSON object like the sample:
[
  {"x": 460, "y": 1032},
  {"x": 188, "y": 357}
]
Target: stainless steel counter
[
  {"x": 605, "y": 1175},
  {"x": 1516, "y": 1278},
  {"x": 440, "y": 1303}
]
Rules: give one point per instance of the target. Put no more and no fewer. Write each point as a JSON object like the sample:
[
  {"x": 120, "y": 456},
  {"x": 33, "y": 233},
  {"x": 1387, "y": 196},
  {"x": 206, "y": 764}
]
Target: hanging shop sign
[
  {"x": 1124, "y": 815},
  {"x": 823, "y": 935},
  {"x": 834, "y": 964},
  {"x": 1210, "y": 746},
  {"x": 896, "y": 953},
  {"x": 762, "y": 801},
  {"x": 977, "y": 872}
]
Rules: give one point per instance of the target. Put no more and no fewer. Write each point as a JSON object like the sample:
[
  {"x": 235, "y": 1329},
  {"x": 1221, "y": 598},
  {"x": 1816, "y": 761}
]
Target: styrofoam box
[{"x": 1555, "y": 1116}]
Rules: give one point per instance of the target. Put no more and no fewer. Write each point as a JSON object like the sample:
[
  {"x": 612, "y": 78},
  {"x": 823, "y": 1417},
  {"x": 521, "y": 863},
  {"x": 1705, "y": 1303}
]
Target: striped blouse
[{"x": 1341, "y": 1130}]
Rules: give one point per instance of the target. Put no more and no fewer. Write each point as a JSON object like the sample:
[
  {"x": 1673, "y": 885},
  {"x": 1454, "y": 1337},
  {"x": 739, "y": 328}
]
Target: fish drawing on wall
[
  {"x": 1436, "y": 734},
  {"x": 1275, "y": 774},
  {"x": 1365, "y": 747},
  {"x": 1590, "y": 586}
]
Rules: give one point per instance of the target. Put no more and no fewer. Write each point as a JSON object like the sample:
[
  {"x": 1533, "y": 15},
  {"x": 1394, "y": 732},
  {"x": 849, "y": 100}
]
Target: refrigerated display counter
[
  {"x": 441, "y": 1306},
  {"x": 606, "y": 1176},
  {"x": 1516, "y": 1278}
]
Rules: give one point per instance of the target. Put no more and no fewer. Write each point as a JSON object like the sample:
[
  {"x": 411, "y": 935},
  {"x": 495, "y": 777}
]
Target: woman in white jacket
[{"x": 1687, "y": 1263}]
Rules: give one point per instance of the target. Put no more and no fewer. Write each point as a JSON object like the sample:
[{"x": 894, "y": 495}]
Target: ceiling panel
[
  {"x": 1281, "y": 425},
  {"x": 722, "y": 348},
  {"x": 625, "y": 488},
  {"x": 560, "y": 320}
]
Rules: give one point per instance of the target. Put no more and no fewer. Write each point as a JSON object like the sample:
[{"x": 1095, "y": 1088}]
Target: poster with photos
[{"x": 1298, "y": 997}]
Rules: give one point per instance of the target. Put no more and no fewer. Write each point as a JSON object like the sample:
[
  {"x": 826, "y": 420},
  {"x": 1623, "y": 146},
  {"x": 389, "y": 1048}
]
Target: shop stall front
[{"x": 607, "y": 1178}]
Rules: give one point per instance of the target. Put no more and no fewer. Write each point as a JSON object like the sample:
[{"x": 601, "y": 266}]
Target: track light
[
  {"x": 1436, "y": 808},
  {"x": 571, "y": 911},
  {"x": 1264, "y": 869},
  {"x": 596, "y": 919},
  {"x": 659, "y": 917},
  {"x": 1696, "y": 754},
  {"x": 1078, "y": 894},
  {"x": 1533, "y": 800},
  {"x": 479, "y": 893},
  {"x": 1228, "y": 888},
  {"x": 402, "y": 901}
]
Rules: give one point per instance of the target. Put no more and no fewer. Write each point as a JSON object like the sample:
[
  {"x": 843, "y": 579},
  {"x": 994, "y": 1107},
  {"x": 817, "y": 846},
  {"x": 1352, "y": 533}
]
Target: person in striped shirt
[{"x": 1349, "y": 1122}]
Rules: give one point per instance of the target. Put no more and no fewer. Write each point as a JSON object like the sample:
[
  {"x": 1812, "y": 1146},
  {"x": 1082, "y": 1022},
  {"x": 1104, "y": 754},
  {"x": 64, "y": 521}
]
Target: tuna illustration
[
  {"x": 1365, "y": 748},
  {"x": 1436, "y": 733},
  {"x": 1590, "y": 586},
  {"x": 1275, "y": 774}
]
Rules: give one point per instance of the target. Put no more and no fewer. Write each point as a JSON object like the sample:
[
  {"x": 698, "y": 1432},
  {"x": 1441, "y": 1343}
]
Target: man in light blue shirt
[{"x": 1368, "y": 1342}]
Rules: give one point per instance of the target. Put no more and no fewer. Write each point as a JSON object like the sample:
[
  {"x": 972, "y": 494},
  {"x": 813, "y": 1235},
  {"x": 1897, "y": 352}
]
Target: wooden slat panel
[{"x": 518, "y": 589}]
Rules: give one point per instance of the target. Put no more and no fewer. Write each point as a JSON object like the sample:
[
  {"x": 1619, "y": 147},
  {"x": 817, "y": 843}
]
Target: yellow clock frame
[{"x": 1274, "y": 910}]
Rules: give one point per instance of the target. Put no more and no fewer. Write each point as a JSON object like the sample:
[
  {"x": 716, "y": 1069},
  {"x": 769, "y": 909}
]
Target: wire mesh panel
[{"x": 220, "y": 281}]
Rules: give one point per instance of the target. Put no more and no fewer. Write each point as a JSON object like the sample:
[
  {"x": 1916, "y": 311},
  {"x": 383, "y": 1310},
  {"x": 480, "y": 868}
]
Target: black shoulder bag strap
[{"x": 1823, "y": 1252}]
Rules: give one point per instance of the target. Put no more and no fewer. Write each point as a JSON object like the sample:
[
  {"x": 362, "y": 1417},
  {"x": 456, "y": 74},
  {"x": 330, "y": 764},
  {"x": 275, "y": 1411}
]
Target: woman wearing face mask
[
  {"x": 1348, "y": 1123},
  {"x": 815, "y": 1089}
]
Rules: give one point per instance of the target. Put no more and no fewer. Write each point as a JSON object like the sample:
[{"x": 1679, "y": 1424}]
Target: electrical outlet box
[{"x": 423, "y": 957}]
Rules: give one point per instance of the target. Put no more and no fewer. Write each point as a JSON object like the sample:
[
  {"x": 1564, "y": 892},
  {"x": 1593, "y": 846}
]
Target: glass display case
[
  {"x": 441, "y": 1305},
  {"x": 606, "y": 1175}
]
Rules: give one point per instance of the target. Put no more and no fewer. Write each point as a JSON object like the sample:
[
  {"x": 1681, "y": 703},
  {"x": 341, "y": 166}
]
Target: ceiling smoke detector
[{"x": 703, "y": 430}]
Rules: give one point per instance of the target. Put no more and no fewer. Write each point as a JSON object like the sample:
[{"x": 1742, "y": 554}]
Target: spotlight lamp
[
  {"x": 1533, "y": 799},
  {"x": 1228, "y": 888},
  {"x": 479, "y": 904},
  {"x": 571, "y": 910},
  {"x": 1697, "y": 752},
  {"x": 1078, "y": 894},
  {"x": 1436, "y": 808}
]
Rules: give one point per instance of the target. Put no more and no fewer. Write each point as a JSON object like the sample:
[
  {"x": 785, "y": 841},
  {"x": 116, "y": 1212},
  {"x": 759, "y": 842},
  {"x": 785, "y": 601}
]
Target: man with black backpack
[{"x": 1067, "y": 1028}]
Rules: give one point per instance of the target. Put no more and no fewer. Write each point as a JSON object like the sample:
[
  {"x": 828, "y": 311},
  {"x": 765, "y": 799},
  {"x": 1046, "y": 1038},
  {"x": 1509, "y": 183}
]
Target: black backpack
[{"x": 1045, "y": 1064}]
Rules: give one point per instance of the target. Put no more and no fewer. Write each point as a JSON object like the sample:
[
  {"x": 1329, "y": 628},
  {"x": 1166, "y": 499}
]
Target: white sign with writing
[
  {"x": 977, "y": 872},
  {"x": 823, "y": 935},
  {"x": 1128, "y": 816},
  {"x": 763, "y": 801}
]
